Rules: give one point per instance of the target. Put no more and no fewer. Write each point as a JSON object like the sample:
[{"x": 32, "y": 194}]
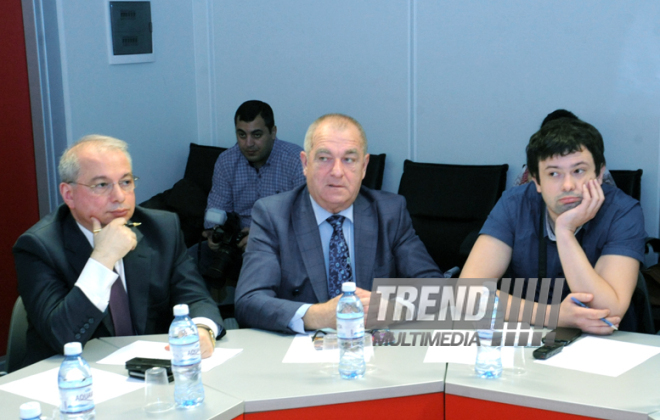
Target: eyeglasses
[{"x": 105, "y": 188}]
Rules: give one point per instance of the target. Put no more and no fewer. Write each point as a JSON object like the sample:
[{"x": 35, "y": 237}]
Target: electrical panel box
[
  {"x": 131, "y": 27},
  {"x": 129, "y": 32}
]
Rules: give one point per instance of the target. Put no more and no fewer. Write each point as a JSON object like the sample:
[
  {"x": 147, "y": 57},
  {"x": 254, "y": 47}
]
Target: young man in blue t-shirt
[{"x": 593, "y": 233}]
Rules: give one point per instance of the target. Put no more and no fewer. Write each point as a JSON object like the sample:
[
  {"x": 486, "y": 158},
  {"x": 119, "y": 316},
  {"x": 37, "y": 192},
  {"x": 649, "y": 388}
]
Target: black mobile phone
[
  {"x": 137, "y": 367},
  {"x": 565, "y": 335},
  {"x": 548, "y": 351}
]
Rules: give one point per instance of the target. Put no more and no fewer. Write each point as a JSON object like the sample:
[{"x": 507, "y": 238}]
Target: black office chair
[
  {"x": 188, "y": 197},
  {"x": 448, "y": 205},
  {"x": 16, "y": 345},
  {"x": 639, "y": 317},
  {"x": 630, "y": 182},
  {"x": 374, "y": 177},
  {"x": 201, "y": 163}
]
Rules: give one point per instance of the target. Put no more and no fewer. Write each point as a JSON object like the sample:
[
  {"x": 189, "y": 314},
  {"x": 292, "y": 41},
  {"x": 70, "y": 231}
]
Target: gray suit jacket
[
  {"x": 284, "y": 266},
  {"x": 159, "y": 273}
]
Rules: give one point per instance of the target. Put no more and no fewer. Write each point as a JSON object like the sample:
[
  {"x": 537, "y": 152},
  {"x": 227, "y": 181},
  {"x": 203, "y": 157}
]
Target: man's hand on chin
[
  {"x": 592, "y": 199},
  {"x": 112, "y": 242}
]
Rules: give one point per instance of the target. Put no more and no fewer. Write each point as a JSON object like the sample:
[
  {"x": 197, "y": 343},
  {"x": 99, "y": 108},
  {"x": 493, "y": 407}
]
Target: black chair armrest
[{"x": 652, "y": 244}]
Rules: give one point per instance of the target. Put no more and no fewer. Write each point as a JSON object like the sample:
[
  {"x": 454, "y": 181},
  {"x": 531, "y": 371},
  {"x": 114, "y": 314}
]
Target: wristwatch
[{"x": 209, "y": 330}]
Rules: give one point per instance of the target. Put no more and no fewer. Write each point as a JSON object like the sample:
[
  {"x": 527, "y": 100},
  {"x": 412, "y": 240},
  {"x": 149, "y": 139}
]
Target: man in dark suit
[
  {"x": 85, "y": 272},
  {"x": 304, "y": 243}
]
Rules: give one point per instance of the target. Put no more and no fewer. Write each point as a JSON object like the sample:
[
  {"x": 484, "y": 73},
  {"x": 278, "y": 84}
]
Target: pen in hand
[
  {"x": 577, "y": 302},
  {"x": 129, "y": 224}
]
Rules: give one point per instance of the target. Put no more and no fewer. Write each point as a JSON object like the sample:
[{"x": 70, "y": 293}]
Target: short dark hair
[
  {"x": 562, "y": 137},
  {"x": 249, "y": 110},
  {"x": 558, "y": 113}
]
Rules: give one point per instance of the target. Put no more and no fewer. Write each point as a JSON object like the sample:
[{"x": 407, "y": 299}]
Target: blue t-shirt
[{"x": 617, "y": 229}]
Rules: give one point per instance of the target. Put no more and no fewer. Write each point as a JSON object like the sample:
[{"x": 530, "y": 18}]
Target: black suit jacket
[
  {"x": 284, "y": 266},
  {"x": 50, "y": 256}
]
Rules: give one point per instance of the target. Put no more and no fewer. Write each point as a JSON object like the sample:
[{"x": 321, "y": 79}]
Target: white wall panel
[
  {"x": 488, "y": 73},
  {"x": 307, "y": 59},
  {"x": 436, "y": 81},
  {"x": 152, "y": 106}
]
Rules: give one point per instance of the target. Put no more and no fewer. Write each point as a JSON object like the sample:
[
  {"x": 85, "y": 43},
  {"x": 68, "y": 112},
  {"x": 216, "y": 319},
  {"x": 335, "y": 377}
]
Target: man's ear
[
  {"x": 601, "y": 174},
  {"x": 273, "y": 132},
  {"x": 303, "y": 160},
  {"x": 66, "y": 191},
  {"x": 537, "y": 183},
  {"x": 366, "y": 163}
]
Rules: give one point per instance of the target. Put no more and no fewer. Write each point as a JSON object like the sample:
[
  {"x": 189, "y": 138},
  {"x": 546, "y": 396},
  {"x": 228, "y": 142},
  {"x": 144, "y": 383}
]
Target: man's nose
[
  {"x": 117, "y": 194},
  {"x": 249, "y": 141},
  {"x": 337, "y": 168},
  {"x": 569, "y": 183}
]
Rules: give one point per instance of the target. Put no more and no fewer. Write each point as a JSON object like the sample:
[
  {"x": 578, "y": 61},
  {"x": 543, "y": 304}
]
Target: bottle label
[
  {"x": 186, "y": 354},
  {"x": 350, "y": 328},
  {"x": 76, "y": 400}
]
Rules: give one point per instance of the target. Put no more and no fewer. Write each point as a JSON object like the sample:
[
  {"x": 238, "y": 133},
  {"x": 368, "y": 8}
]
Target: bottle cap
[
  {"x": 180, "y": 310},
  {"x": 30, "y": 410},
  {"x": 348, "y": 286},
  {"x": 72, "y": 349}
]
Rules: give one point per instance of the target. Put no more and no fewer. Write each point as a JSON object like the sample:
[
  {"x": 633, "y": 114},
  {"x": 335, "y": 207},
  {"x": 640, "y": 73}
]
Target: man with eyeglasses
[{"x": 99, "y": 266}]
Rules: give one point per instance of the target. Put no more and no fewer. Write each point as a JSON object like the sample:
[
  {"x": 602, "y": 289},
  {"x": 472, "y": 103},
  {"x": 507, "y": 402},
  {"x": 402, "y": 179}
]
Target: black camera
[{"x": 227, "y": 235}]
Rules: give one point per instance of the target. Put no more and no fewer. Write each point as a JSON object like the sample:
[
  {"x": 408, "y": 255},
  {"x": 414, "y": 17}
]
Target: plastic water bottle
[
  {"x": 350, "y": 333},
  {"x": 186, "y": 359},
  {"x": 489, "y": 357},
  {"x": 75, "y": 383},
  {"x": 30, "y": 411}
]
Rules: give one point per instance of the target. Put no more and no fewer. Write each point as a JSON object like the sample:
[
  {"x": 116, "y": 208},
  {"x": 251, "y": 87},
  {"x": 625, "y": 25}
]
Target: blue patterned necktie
[{"x": 339, "y": 269}]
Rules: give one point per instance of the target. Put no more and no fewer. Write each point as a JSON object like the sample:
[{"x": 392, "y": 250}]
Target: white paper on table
[
  {"x": 601, "y": 356},
  {"x": 156, "y": 350},
  {"x": 43, "y": 386},
  {"x": 302, "y": 350}
]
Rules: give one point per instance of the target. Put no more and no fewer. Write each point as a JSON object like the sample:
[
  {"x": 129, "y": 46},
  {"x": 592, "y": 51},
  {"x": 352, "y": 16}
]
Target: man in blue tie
[{"x": 306, "y": 242}]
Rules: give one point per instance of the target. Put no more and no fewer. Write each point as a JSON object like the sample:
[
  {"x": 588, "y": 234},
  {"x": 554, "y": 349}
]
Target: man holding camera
[{"x": 259, "y": 165}]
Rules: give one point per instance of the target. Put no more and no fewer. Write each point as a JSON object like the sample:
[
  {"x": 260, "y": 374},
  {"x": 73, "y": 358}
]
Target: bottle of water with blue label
[
  {"x": 350, "y": 333},
  {"x": 489, "y": 357},
  {"x": 75, "y": 383},
  {"x": 186, "y": 359}
]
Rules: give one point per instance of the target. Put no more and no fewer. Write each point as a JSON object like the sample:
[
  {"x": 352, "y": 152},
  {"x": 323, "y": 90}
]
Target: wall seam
[{"x": 412, "y": 74}]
